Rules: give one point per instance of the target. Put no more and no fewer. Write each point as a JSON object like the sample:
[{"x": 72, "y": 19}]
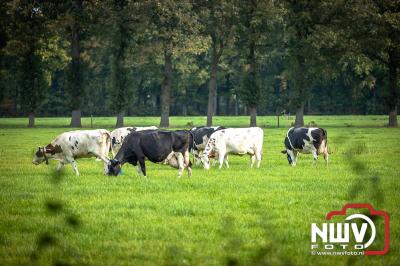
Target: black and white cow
[
  {"x": 159, "y": 146},
  {"x": 200, "y": 139},
  {"x": 118, "y": 135},
  {"x": 306, "y": 140},
  {"x": 71, "y": 145}
]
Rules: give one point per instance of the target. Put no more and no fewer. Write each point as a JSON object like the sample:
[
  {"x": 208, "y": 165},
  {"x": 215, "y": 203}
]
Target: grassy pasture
[{"x": 237, "y": 215}]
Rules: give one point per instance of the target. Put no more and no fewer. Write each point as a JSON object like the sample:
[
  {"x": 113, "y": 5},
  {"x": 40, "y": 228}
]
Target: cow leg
[
  {"x": 326, "y": 155},
  {"x": 104, "y": 159},
  {"x": 258, "y": 158},
  {"x": 142, "y": 166},
  {"x": 75, "y": 167},
  {"x": 226, "y": 161},
  {"x": 181, "y": 164},
  {"x": 221, "y": 157},
  {"x": 186, "y": 158},
  {"x": 187, "y": 163},
  {"x": 189, "y": 169},
  {"x": 292, "y": 156},
  {"x": 138, "y": 170},
  {"x": 196, "y": 157},
  {"x": 105, "y": 168},
  {"x": 197, "y": 161},
  {"x": 215, "y": 159},
  {"x": 60, "y": 165},
  {"x": 315, "y": 155},
  {"x": 252, "y": 160}
]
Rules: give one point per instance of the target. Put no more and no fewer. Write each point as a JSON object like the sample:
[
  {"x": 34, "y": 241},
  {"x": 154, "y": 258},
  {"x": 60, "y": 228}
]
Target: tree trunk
[
  {"x": 393, "y": 118},
  {"x": 299, "y": 122},
  {"x": 212, "y": 85},
  {"x": 120, "y": 120},
  {"x": 76, "y": 118},
  {"x": 75, "y": 79},
  {"x": 31, "y": 122},
  {"x": 253, "y": 116},
  {"x": 393, "y": 94},
  {"x": 166, "y": 89}
]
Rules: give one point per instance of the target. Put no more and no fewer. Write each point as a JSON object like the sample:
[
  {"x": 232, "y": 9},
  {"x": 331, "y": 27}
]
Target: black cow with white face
[
  {"x": 306, "y": 140},
  {"x": 200, "y": 139},
  {"x": 158, "y": 146}
]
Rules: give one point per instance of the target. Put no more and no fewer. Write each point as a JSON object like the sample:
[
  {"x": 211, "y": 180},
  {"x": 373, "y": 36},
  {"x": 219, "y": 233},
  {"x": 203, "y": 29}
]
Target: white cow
[
  {"x": 234, "y": 141},
  {"x": 76, "y": 144},
  {"x": 118, "y": 135}
]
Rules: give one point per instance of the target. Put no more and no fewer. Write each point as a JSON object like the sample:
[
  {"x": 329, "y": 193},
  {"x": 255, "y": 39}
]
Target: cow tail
[{"x": 325, "y": 136}]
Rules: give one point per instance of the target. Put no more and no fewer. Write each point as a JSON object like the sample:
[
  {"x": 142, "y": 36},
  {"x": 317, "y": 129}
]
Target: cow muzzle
[{"x": 114, "y": 168}]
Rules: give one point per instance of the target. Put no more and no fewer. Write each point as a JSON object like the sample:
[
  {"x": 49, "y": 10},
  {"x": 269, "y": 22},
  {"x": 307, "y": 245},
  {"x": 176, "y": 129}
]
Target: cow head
[
  {"x": 114, "y": 167},
  {"x": 205, "y": 160},
  {"x": 289, "y": 158},
  {"x": 43, "y": 154}
]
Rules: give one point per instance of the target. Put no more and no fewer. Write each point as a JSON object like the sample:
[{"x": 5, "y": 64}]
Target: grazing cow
[
  {"x": 306, "y": 140},
  {"x": 118, "y": 135},
  {"x": 200, "y": 139},
  {"x": 159, "y": 146},
  {"x": 76, "y": 144},
  {"x": 234, "y": 141}
]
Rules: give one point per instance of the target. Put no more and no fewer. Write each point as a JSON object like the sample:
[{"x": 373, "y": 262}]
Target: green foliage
[{"x": 275, "y": 55}]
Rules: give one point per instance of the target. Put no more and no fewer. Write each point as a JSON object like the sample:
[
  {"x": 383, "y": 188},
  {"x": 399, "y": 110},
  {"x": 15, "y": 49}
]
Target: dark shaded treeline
[{"x": 138, "y": 58}]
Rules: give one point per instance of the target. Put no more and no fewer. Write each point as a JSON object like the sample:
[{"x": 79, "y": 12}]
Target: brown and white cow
[
  {"x": 76, "y": 144},
  {"x": 306, "y": 140}
]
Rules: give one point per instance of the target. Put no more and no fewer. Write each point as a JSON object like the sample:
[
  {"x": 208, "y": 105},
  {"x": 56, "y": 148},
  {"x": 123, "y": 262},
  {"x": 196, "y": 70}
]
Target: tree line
[{"x": 222, "y": 57}]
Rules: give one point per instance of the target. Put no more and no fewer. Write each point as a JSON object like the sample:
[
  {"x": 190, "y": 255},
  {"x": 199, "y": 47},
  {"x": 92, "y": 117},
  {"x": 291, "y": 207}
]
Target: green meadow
[{"x": 235, "y": 216}]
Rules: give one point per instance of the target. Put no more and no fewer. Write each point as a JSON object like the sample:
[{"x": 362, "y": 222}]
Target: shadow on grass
[
  {"x": 366, "y": 185},
  {"x": 55, "y": 240}
]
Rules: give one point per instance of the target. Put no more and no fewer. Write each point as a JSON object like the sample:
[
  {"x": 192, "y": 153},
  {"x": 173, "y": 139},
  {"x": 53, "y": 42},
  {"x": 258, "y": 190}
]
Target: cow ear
[
  {"x": 49, "y": 146},
  {"x": 57, "y": 149},
  {"x": 49, "y": 149}
]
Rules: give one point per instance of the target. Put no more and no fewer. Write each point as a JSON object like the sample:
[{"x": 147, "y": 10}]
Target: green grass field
[{"x": 236, "y": 216}]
